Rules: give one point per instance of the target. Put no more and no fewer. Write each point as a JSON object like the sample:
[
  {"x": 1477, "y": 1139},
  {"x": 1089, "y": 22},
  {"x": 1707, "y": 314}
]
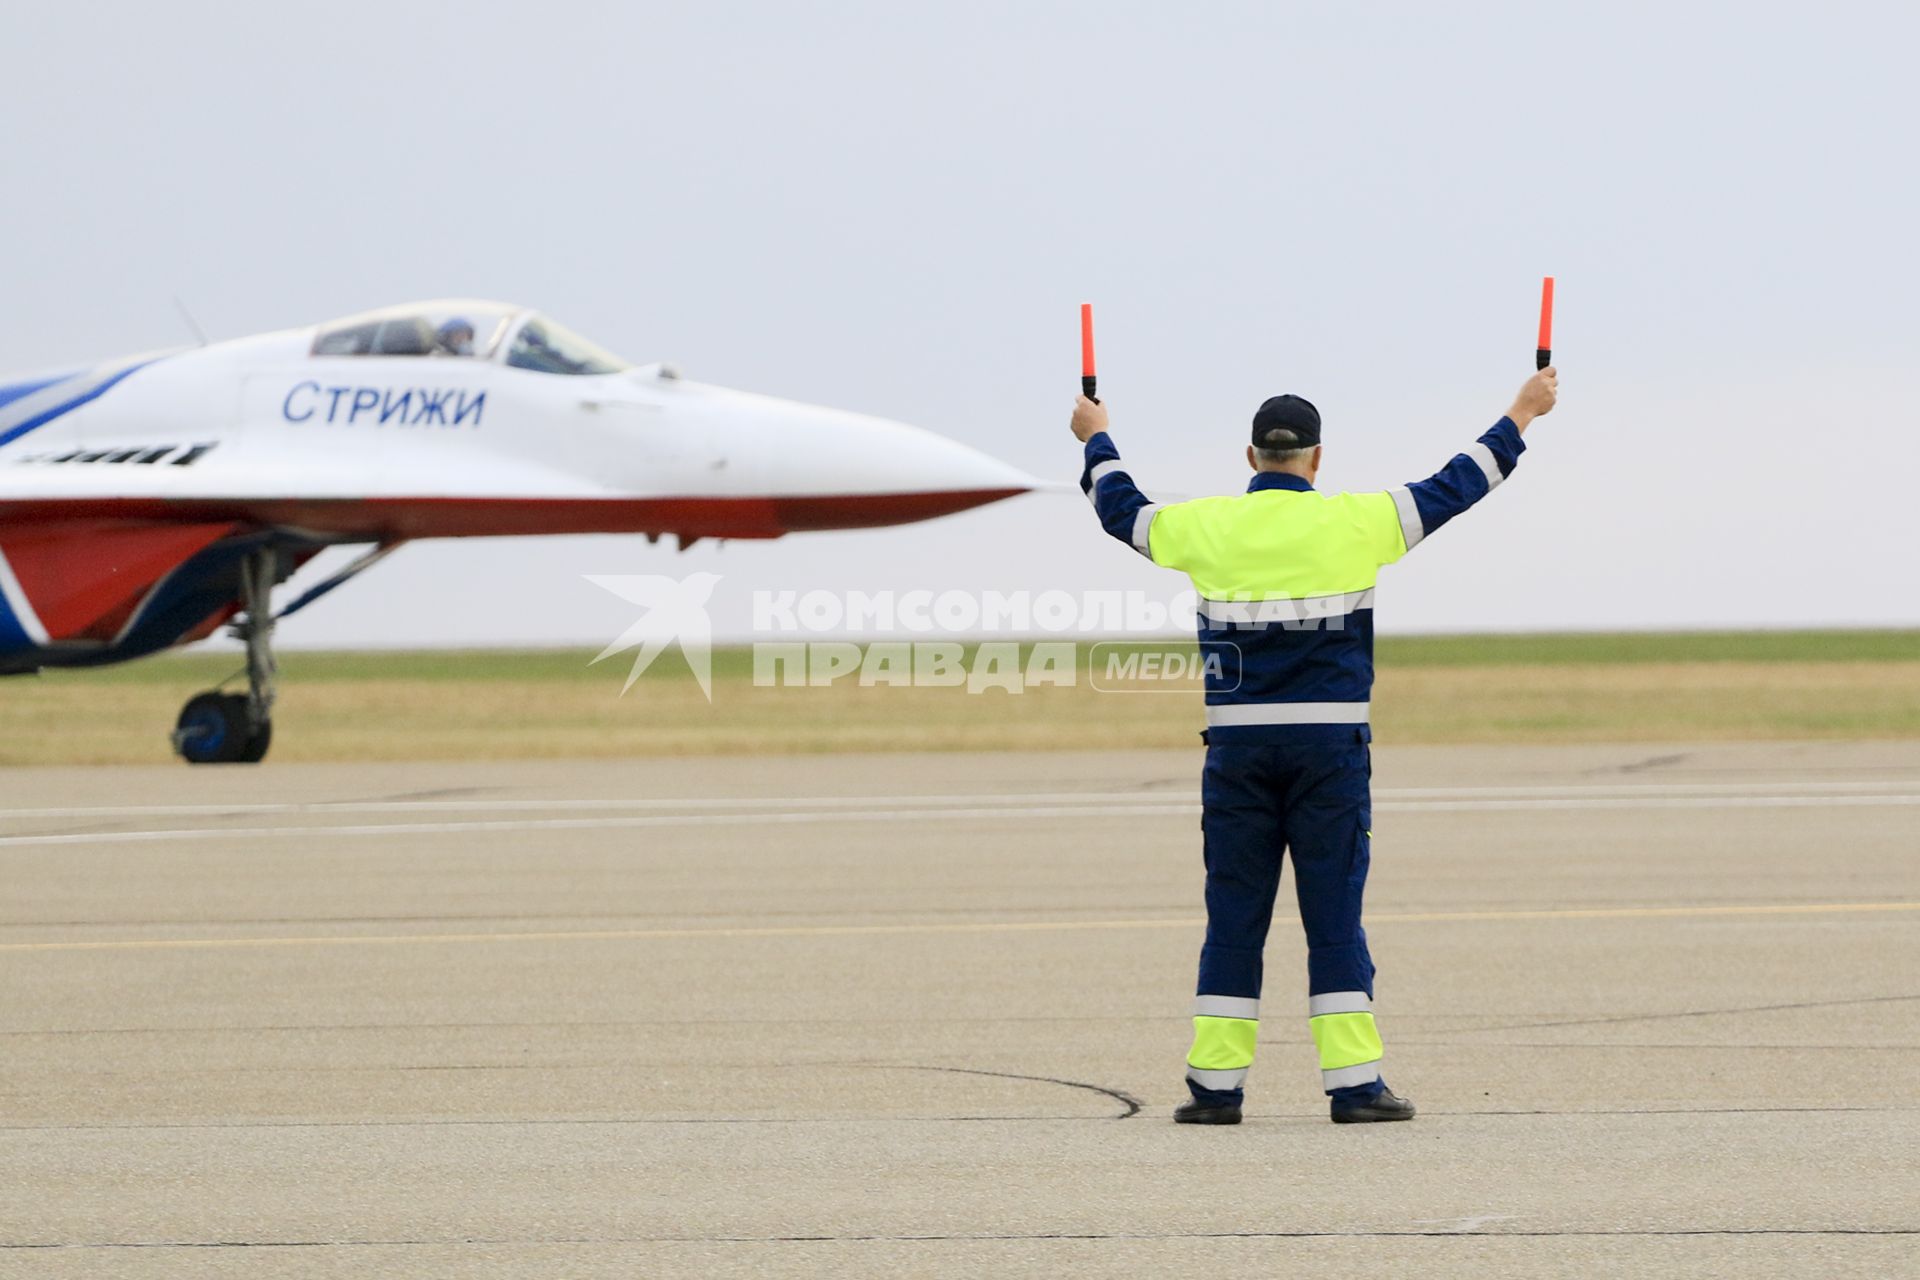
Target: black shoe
[
  {"x": 1194, "y": 1111},
  {"x": 1384, "y": 1107}
]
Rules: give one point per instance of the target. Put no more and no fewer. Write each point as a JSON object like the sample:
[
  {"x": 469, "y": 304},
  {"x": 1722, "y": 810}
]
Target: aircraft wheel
[
  {"x": 258, "y": 740},
  {"x": 213, "y": 729}
]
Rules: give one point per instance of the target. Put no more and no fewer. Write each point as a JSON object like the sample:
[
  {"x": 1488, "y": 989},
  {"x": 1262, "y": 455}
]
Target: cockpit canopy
[{"x": 467, "y": 329}]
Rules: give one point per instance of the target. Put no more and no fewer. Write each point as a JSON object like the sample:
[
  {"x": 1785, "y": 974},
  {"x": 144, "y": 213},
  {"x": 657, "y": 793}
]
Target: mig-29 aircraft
[{"x": 144, "y": 502}]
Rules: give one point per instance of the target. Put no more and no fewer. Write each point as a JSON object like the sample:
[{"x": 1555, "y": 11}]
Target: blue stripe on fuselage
[
  {"x": 13, "y": 636},
  {"x": 185, "y": 598},
  {"x": 42, "y": 419},
  {"x": 15, "y": 390}
]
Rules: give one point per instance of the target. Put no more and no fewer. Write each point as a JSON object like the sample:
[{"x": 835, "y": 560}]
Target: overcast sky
[{"x": 896, "y": 208}]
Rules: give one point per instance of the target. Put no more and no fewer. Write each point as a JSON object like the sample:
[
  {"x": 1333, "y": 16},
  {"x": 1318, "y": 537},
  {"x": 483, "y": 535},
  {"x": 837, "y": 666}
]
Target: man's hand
[
  {"x": 1089, "y": 419},
  {"x": 1537, "y": 396}
]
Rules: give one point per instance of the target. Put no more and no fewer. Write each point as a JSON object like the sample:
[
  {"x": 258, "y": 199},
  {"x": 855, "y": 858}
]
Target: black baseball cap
[{"x": 1295, "y": 417}]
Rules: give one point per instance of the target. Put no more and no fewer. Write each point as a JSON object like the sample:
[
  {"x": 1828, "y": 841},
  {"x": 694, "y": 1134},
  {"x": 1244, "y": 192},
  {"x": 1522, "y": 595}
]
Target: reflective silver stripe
[
  {"x": 1288, "y": 713},
  {"x": 1141, "y": 524},
  {"x": 1102, "y": 470},
  {"x": 1338, "y": 1002},
  {"x": 1220, "y": 1080},
  {"x": 1410, "y": 526},
  {"x": 1347, "y": 1077},
  {"x": 1297, "y": 609},
  {"x": 1225, "y": 1007},
  {"x": 1489, "y": 465}
]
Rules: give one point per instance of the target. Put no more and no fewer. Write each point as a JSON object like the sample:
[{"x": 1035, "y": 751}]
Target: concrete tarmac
[{"x": 925, "y": 1015}]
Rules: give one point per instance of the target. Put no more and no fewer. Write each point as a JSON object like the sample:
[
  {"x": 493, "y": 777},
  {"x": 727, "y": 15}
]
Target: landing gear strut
[{"x": 236, "y": 728}]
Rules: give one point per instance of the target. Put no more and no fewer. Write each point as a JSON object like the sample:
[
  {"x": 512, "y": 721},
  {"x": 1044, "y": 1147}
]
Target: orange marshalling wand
[
  {"x": 1088, "y": 383},
  {"x": 1543, "y": 350}
]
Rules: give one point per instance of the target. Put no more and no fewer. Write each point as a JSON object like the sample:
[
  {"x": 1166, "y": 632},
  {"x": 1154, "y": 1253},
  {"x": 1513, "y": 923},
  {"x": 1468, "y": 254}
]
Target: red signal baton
[
  {"x": 1543, "y": 351},
  {"x": 1088, "y": 382}
]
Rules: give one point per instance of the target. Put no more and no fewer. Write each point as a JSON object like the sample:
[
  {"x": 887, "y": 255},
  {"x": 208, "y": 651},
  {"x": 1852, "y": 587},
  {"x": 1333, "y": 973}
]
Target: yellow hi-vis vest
[{"x": 1285, "y": 576}]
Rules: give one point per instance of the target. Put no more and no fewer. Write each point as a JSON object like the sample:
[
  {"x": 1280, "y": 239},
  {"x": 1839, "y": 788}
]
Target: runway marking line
[
  {"x": 502, "y": 804},
  {"x": 1079, "y": 813},
  {"x": 981, "y": 926}
]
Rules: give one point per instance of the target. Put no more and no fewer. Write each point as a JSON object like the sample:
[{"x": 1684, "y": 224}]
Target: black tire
[
  {"x": 259, "y": 737},
  {"x": 214, "y": 728}
]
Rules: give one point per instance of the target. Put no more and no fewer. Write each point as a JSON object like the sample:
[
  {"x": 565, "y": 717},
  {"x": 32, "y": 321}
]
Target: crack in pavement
[
  {"x": 1689, "y": 1013},
  {"x": 1127, "y": 1100}
]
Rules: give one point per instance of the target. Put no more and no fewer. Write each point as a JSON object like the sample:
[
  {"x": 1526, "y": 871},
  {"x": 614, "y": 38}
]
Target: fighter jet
[{"x": 147, "y": 501}]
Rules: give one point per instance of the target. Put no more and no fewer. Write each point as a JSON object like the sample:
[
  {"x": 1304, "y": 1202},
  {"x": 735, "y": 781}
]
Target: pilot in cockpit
[{"x": 456, "y": 337}]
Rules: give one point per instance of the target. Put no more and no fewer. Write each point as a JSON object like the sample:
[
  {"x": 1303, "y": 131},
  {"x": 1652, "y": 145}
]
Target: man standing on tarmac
[{"x": 1285, "y": 576}]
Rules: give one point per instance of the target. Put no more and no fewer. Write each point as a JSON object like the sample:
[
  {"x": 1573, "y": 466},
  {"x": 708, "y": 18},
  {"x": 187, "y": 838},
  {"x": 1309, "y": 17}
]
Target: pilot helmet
[{"x": 456, "y": 335}]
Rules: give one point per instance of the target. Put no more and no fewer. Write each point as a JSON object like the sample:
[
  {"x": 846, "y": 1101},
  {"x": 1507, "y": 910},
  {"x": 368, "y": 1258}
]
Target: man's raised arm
[
  {"x": 1124, "y": 511},
  {"x": 1427, "y": 504}
]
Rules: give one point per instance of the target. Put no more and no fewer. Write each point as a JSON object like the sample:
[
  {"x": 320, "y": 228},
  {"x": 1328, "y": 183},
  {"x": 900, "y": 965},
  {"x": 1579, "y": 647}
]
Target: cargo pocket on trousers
[{"x": 1362, "y": 846}]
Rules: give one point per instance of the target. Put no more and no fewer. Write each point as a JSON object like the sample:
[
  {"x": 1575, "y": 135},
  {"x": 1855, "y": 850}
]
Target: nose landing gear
[{"x": 236, "y": 728}]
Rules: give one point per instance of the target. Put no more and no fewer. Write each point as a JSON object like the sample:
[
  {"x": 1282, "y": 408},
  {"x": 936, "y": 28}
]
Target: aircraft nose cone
[
  {"x": 894, "y": 473},
  {"x": 838, "y": 470}
]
